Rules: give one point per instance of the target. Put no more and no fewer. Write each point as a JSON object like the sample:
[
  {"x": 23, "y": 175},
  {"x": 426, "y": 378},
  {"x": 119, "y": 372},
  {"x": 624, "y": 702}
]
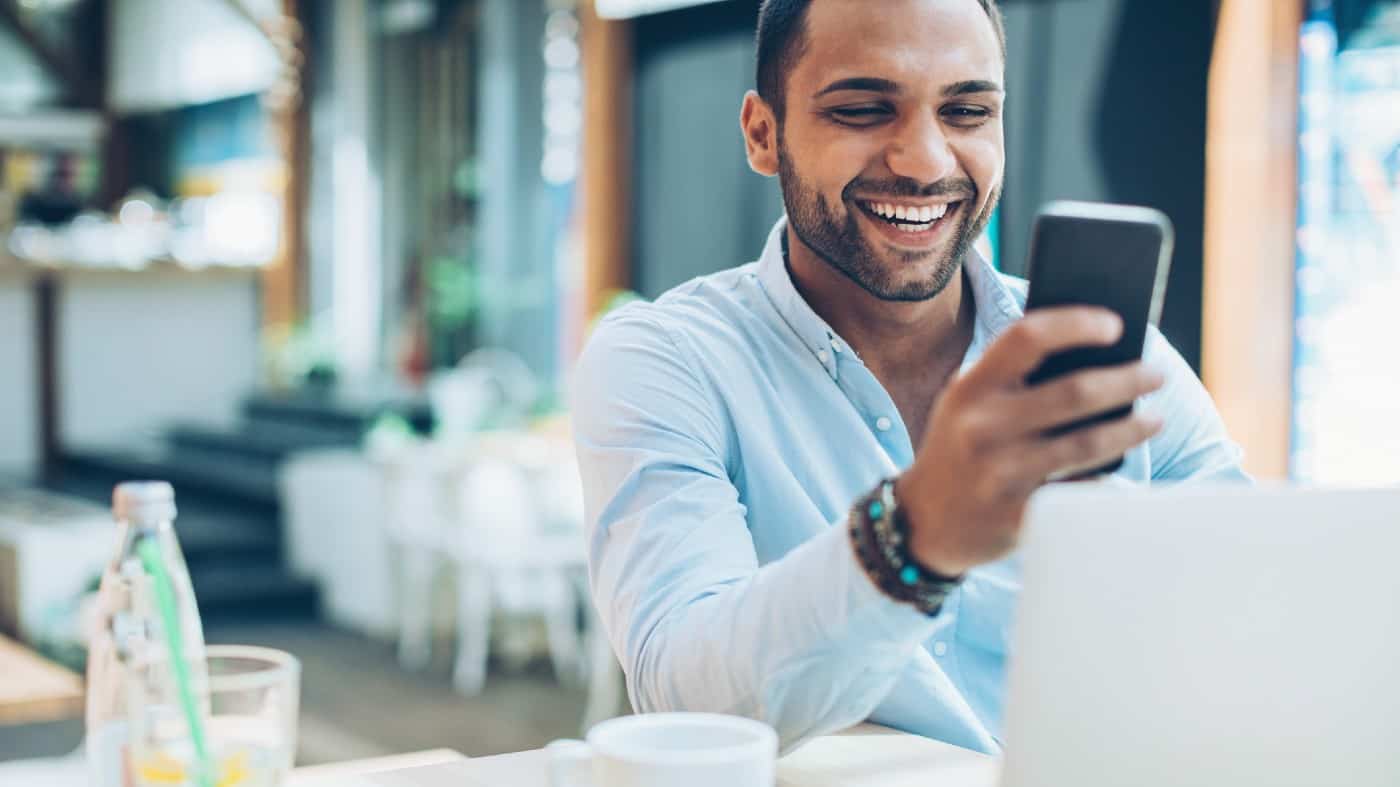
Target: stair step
[
  {"x": 231, "y": 476},
  {"x": 227, "y": 490},
  {"x": 239, "y": 590},
  {"x": 218, "y": 537},
  {"x": 351, "y": 414},
  {"x": 260, "y": 441},
  {"x": 206, "y": 529}
]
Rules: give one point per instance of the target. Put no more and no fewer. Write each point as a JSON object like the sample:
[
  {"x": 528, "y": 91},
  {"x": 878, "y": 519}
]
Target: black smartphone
[{"x": 1096, "y": 254}]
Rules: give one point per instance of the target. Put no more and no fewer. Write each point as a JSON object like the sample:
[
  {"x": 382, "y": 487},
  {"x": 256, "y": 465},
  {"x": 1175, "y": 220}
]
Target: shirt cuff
[{"x": 873, "y": 614}]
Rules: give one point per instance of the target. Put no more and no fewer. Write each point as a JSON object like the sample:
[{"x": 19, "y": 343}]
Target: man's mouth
[{"x": 914, "y": 223}]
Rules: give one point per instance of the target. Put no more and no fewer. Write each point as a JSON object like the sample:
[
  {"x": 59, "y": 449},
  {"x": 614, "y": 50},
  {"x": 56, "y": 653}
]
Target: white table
[
  {"x": 51, "y": 548},
  {"x": 864, "y": 756}
]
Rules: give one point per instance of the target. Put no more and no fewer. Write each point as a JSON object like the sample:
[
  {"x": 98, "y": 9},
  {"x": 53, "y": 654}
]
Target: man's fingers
[
  {"x": 1076, "y": 396},
  {"x": 1041, "y": 333},
  {"x": 1090, "y": 447}
]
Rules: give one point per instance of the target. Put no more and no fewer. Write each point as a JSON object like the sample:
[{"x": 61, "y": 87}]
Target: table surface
[
  {"x": 863, "y": 756},
  {"x": 33, "y": 689}
]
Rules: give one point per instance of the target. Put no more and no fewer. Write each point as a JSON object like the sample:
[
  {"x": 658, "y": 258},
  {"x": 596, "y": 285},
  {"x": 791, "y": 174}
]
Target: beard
[{"x": 841, "y": 244}]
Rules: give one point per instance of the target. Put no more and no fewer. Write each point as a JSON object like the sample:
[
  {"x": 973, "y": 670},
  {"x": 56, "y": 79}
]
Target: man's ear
[{"x": 760, "y": 127}]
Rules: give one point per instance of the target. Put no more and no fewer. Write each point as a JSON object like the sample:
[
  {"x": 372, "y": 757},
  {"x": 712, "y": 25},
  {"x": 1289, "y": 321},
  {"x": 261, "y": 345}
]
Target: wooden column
[
  {"x": 283, "y": 281},
  {"x": 607, "y": 162},
  {"x": 1251, "y": 210}
]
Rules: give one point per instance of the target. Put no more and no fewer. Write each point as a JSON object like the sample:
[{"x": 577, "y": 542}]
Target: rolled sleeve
[{"x": 806, "y": 643}]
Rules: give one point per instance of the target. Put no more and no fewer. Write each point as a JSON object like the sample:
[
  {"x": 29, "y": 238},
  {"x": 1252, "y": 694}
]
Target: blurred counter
[
  {"x": 133, "y": 351},
  {"x": 35, "y": 689}
]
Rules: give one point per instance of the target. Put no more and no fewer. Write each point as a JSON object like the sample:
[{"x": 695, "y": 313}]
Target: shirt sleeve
[
  {"x": 1193, "y": 444},
  {"x": 806, "y": 643}
]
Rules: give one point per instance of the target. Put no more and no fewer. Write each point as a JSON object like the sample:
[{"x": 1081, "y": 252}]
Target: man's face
[{"x": 891, "y": 150}]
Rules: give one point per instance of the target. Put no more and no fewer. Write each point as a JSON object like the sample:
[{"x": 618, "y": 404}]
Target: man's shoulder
[
  {"x": 717, "y": 292},
  {"x": 709, "y": 304},
  {"x": 665, "y": 356}
]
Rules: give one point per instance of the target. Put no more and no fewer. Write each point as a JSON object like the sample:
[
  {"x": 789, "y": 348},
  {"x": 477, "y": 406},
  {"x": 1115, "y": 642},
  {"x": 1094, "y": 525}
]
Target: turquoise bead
[
  {"x": 909, "y": 575},
  {"x": 877, "y": 509}
]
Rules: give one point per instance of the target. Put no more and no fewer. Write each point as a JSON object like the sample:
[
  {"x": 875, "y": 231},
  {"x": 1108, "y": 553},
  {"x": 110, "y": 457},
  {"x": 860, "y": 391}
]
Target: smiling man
[{"x": 805, "y": 476}]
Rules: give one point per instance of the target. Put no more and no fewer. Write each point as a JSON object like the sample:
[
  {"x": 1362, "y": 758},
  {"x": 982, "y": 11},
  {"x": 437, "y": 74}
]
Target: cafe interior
[{"x": 326, "y": 267}]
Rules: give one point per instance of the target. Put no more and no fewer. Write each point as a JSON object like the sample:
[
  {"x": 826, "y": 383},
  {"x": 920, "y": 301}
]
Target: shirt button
[
  {"x": 940, "y": 649},
  {"x": 836, "y": 345},
  {"x": 823, "y": 356},
  {"x": 883, "y": 424}
]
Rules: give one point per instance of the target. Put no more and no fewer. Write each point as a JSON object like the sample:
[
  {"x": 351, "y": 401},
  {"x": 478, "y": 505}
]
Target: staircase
[{"x": 226, "y": 491}]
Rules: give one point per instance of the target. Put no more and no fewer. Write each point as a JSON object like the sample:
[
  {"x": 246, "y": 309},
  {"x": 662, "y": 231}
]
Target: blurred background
[{"x": 325, "y": 265}]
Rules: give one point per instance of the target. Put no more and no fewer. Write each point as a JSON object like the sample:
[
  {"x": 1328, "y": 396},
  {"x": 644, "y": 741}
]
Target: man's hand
[{"x": 986, "y": 450}]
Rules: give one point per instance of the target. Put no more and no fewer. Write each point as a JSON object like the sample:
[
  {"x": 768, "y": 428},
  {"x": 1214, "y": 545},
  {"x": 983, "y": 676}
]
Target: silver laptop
[{"x": 1207, "y": 636}]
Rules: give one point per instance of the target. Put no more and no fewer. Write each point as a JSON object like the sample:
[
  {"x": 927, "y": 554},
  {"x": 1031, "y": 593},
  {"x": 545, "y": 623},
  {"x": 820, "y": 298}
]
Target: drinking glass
[{"x": 249, "y": 709}]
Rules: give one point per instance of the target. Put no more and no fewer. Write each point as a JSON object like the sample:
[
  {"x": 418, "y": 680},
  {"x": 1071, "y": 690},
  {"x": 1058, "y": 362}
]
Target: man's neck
[{"x": 898, "y": 340}]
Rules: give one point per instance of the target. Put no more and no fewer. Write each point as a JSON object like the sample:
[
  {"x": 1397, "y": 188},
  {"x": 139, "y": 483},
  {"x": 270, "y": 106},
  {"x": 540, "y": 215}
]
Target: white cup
[{"x": 671, "y": 749}]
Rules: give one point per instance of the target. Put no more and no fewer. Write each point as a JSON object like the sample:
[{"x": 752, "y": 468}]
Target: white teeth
[{"x": 911, "y": 213}]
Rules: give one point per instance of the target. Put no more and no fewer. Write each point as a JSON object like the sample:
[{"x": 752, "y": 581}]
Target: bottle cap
[{"x": 143, "y": 501}]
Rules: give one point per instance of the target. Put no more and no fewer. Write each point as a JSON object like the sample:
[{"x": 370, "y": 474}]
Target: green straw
[{"x": 165, "y": 602}]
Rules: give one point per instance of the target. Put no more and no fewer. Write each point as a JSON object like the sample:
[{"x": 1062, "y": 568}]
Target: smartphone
[{"x": 1096, "y": 254}]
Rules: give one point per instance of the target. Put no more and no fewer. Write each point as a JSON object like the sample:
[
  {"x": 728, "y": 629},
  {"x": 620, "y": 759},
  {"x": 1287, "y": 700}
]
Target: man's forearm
[{"x": 805, "y": 643}]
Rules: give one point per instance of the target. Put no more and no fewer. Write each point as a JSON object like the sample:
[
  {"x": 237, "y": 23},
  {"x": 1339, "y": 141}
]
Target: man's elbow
[{"x": 658, "y": 682}]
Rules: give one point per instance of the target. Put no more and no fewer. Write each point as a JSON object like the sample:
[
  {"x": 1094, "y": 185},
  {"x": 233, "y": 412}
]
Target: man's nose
[{"x": 921, "y": 151}]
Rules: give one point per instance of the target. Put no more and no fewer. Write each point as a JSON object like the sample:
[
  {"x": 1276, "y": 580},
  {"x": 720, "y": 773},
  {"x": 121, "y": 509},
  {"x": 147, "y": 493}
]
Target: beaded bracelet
[{"x": 878, "y": 536}]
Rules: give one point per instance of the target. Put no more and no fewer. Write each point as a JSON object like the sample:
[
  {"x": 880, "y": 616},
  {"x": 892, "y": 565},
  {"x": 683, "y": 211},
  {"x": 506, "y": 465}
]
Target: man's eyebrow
[
  {"x": 872, "y": 84},
  {"x": 878, "y": 85},
  {"x": 971, "y": 86}
]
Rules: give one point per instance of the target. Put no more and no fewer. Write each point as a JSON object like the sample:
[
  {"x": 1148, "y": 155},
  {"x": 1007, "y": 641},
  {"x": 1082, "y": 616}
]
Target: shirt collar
[{"x": 995, "y": 306}]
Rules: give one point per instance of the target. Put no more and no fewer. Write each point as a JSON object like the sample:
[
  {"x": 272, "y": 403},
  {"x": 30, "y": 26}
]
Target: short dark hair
[{"x": 782, "y": 40}]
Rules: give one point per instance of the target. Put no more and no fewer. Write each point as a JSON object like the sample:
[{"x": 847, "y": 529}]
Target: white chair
[
  {"x": 515, "y": 554},
  {"x": 335, "y": 497},
  {"x": 487, "y": 387},
  {"x": 506, "y": 508},
  {"x": 419, "y": 476},
  {"x": 417, "y": 523},
  {"x": 557, "y": 483}
]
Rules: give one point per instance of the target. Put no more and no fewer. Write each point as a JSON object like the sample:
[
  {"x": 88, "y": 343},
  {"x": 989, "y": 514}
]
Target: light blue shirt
[{"x": 723, "y": 433}]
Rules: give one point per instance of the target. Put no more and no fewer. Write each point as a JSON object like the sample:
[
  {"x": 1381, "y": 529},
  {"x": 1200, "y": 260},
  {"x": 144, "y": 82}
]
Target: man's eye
[
  {"x": 966, "y": 114},
  {"x": 859, "y": 116}
]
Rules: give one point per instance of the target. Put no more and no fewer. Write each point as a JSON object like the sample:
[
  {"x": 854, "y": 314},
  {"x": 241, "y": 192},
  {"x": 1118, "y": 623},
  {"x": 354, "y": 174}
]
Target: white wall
[
  {"x": 19, "y": 412},
  {"x": 138, "y": 351},
  {"x": 26, "y": 83},
  {"x": 168, "y": 53}
]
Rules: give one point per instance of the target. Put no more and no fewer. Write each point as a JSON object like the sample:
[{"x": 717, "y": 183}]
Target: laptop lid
[{"x": 1207, "y": 635}]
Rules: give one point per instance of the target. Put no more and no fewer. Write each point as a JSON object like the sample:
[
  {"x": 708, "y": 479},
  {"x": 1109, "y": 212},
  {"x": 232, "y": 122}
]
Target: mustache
[{"x": 908, "y": 187}]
